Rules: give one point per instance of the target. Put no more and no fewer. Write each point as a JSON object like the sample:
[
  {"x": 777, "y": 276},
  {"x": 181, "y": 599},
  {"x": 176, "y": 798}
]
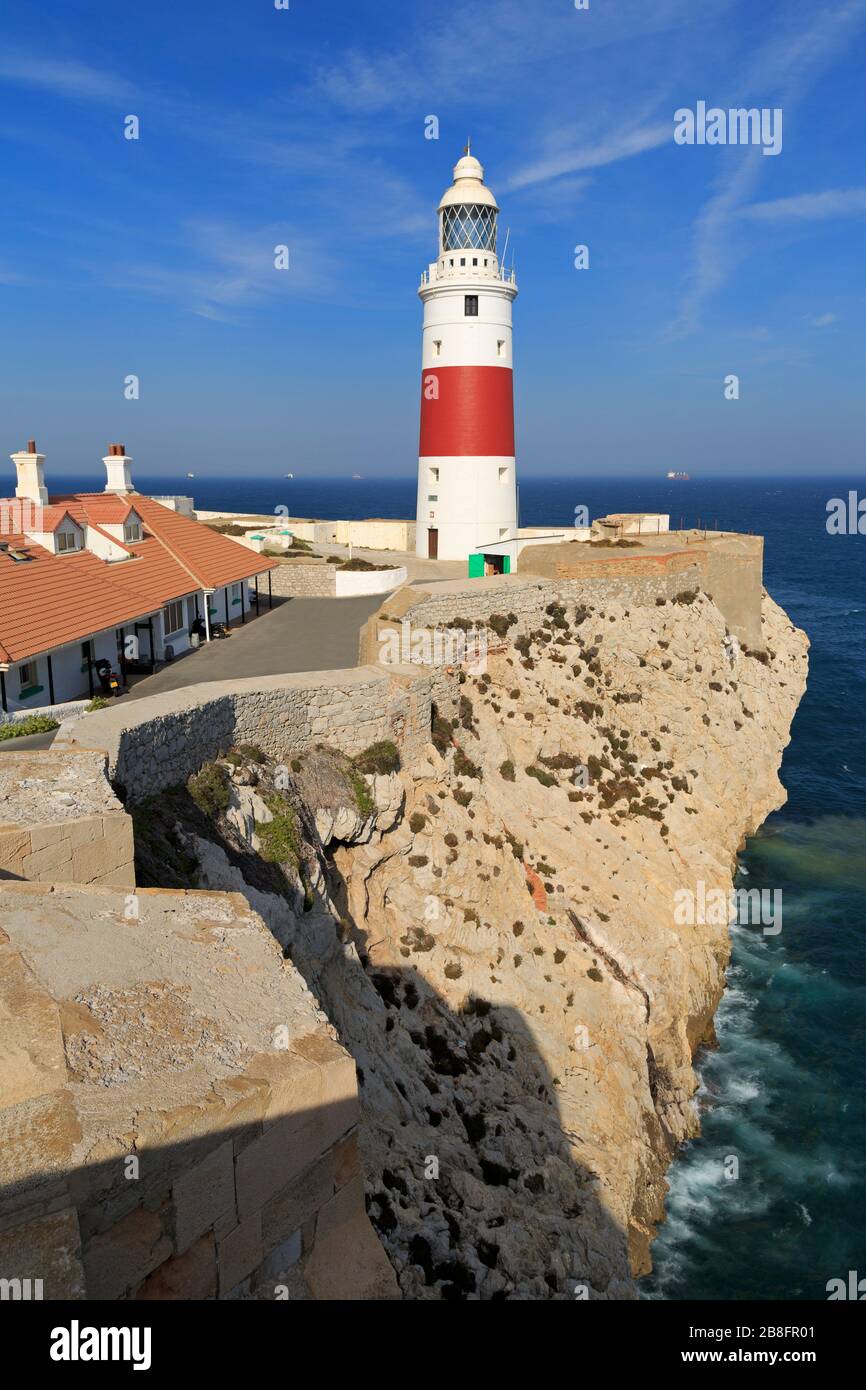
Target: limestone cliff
[{"x": 492, "y": 930}]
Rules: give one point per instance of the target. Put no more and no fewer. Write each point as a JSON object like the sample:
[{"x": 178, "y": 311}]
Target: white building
[{"x": 113, "y": 576}]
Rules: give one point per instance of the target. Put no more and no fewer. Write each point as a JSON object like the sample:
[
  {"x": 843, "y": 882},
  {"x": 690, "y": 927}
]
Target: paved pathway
[{"x": 299, "y": 634}]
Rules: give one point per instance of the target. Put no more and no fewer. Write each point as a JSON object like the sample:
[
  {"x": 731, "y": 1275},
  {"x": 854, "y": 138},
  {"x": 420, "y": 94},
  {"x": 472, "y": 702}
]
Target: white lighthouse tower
[{"x": 467, "y": 489}]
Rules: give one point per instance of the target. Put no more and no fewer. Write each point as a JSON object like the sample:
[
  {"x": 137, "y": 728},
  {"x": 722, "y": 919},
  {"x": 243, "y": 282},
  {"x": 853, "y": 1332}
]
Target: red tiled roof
[
  {"x": 51, "y": 600},
  {"x": 50, "y": 517},
  {"x": 209, "y": 558}
]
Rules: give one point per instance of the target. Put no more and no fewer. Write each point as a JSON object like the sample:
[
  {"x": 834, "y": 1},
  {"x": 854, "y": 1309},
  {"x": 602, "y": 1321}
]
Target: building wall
[{"x": 70, "y": 681}]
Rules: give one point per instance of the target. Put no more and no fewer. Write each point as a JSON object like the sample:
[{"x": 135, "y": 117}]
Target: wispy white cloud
[
  {"x": 809, "y": 207},
  {"x": 783, "y": 70},
  {"x": 64, "y": 77},
  {"x": 220, "y": 270},
  {"x": 823, "y": 320},
  {"x": 607, "y": 150}
]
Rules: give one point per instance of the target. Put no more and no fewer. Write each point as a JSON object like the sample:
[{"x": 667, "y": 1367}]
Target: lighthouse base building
[{"x": 467, "y": 484}]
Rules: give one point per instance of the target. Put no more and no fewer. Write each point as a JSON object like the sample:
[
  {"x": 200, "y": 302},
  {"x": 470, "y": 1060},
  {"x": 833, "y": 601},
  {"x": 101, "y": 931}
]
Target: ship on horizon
[{"x": 673, "y": 476}]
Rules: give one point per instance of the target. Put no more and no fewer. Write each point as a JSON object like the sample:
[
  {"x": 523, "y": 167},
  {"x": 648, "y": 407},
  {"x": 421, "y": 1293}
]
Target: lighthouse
[{"x": 467, "y": 488}]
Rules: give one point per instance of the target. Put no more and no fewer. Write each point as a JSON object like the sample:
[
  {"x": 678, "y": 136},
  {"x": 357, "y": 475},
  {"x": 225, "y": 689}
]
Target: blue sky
[{"x": 306, "y": 127}]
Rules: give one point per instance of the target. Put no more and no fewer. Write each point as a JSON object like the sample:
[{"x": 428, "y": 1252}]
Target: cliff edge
[{"x": 496, "y": 930}]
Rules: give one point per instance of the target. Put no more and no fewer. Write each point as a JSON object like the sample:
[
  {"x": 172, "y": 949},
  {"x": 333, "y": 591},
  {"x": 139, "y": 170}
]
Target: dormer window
[
  {"x": 66, "y": 541},
  {"x": 132, "y": 531}
]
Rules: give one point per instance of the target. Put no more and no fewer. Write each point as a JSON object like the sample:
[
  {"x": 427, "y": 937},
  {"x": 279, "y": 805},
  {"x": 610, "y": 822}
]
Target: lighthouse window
[
  {"x": 503, "y": 475},
  {"x": 471, "y": 308},
  {"x": 469, "y": 227},
  {"x": 434, "y": 477},
  {"x": 500, "y": 347},
  {"x": 437, "y": 347},
  {"x": 474, "y": 260},
  {"x": 462, "y": 260}
]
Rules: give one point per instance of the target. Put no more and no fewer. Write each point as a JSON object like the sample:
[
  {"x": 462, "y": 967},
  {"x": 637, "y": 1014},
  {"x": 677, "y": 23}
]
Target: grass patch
[
  {"x": 33, "y": 724},
  {"x": 363, "y": 796},
  {"x": 209, "y": 789},
  {"x": 278, "y": 838}
]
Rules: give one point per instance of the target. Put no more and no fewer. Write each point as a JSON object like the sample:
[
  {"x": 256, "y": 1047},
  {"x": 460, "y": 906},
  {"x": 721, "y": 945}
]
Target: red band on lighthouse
[{"x": 467, "y": 411}]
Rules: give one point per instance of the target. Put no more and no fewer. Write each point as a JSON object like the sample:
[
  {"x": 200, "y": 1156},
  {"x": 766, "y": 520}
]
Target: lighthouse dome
[
  {"x": 468, "y": 185},
  {"x": 468, "y": 210}
]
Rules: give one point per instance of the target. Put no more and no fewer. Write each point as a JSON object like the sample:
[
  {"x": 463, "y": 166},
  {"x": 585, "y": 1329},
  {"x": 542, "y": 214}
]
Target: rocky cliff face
[{"x": 494, "y": 931}]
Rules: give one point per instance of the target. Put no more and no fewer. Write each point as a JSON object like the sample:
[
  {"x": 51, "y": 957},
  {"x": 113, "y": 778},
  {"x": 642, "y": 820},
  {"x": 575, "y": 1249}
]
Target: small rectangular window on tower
[
  {"x": 503, "y": 475},
  {"x": 500, "y": 347},
  {"x": 471, "y": 306},
  {"x": 437, "y": 347},
  {"x": 434, "y": 476}
]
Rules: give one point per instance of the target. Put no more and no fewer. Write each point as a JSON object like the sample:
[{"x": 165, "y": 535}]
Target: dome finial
[{"x": 468, "y": 149}]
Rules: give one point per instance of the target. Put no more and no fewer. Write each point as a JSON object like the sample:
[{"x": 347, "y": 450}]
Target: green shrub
[
  {"x": 380, "y": 758},
  {"x": 501, "y": 622},
  {"x": 209, "y": 789},
  {"x": 463, "y": 767},
  {"x": 363, "y": 796},
  {"x": 250, "y": 752},
  {"x": 279, "y": 840},
  {"x": 358, "y": 564},
  {"x": 545, "y": 778},
  {"x": 417, "y": 822},
  {"x": 506, "y": 770},
  {"x": 33, "y": 724},
  {"x": 98, "y": 702}
]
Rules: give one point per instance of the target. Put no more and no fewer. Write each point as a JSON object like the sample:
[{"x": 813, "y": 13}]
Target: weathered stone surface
[
  {"x": 239, "y": 1252},
  {"x": 45, "y": 1248},
  {"x": 203, "y": 1196},
  {"x": 192, "y": 1275}
]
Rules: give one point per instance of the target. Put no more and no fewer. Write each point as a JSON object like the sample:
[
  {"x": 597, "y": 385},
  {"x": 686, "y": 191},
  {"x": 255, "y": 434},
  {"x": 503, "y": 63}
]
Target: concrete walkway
[{"x": 299, "y": 634}]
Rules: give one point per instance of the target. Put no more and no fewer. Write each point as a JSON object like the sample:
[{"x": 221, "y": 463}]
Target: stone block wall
[
  {"x": 730, "y": 570},
  {"x": 316, "y": 579},
  {"x": 177, "y": 1119},
  {"x": 61, "y": 821},
  {"x": 158, "y": 742},
  {"x": 91, "y": 849}
]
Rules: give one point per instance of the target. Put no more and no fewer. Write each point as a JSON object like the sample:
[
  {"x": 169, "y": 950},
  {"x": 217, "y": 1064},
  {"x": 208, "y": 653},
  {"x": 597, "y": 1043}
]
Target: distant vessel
[
  {"x": 190, "y": 475},
  {"x": 356, "y": 475},
  {"x": 290, "y": 475},
  {"x": 678, "y": 477}
]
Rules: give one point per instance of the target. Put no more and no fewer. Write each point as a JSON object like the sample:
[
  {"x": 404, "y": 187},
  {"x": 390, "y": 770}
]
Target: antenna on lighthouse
[{"x": 505, "y": 248}]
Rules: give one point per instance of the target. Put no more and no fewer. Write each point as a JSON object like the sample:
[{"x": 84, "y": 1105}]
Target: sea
[{"x": 783, "y": 1092}]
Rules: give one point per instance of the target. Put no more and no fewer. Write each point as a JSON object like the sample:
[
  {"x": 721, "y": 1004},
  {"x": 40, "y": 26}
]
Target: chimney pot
[{"x": 31, "y": 446}]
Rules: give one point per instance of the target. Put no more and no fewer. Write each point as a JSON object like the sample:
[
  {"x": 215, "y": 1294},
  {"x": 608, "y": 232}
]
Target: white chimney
[
  {"x": 117, "y": 466},
  {"x": 31, "y": 479}
]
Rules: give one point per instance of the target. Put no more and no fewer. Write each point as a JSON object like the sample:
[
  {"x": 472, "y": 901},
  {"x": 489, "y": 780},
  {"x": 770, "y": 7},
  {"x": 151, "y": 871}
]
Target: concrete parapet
[
  {"x": 177, "y": 1119},
  {"x": 60, "y": 820},
  {"x": 161, "y": 740}
]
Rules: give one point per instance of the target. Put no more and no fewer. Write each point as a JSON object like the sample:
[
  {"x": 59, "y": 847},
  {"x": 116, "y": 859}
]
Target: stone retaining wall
[
  {"x": 177, "y": 1120},
  {"x": 60, "y": 820},
  {"x": 158, "y": 742},
  {"x": 318, "y": 579},
  {"x": 314, "y": 579},
  {"x": 730, "y": 571}
]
